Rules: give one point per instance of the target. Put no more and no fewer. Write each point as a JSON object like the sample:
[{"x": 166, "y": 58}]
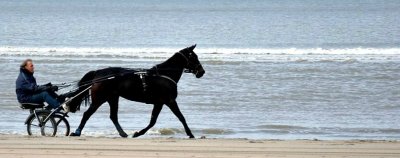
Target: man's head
[{"x": 28, "y": 65}]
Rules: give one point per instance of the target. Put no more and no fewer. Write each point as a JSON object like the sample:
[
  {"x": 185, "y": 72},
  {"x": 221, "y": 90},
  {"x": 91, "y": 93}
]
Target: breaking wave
[{"x": 213, "y": 54}]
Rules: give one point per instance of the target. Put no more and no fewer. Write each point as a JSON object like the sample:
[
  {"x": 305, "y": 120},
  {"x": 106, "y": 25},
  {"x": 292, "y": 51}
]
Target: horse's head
[{"x": 193, "y": 64}]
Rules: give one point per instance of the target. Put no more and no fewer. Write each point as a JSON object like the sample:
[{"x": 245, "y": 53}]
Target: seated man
[{"x": 29, "y": 92}]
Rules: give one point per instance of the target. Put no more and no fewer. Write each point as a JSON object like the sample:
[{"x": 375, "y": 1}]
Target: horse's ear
[{"x": 192, "y": 47}]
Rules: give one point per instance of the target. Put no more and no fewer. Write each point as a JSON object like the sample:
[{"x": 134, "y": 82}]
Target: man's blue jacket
[{"x": 25, "y": 86}]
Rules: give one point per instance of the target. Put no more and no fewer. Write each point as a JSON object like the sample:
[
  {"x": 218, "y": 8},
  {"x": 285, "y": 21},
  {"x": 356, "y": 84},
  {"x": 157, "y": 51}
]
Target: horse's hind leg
[
  {"x": 114, "y": 115},
  {"x": 175, "y": 109},
  {"x": 86, "y": 115},
  {"x": 154, "y": 115}
]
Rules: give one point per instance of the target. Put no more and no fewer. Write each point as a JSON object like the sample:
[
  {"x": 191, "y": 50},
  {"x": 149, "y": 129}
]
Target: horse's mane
[{"x": 170, "y": 59}]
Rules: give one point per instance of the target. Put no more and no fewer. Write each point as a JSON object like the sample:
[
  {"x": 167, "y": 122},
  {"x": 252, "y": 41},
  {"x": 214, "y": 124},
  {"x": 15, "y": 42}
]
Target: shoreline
[{"x": 25, "y": 146}]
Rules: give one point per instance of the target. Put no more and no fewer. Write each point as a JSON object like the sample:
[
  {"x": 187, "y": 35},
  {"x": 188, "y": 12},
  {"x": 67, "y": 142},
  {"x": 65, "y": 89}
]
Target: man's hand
[
  {"x": 46, "y": 87},
  {"x": 41, "y": 88},
  {"x": 54, "y": 88},
  {"x": 48, "y": 84}
]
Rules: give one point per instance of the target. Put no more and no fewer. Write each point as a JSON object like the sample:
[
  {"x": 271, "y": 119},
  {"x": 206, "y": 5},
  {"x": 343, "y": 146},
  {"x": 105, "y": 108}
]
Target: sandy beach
[{"x": 23, "y": 146}]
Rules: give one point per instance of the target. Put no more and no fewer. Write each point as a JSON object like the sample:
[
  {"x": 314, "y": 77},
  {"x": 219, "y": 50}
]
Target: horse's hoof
[
  {"x": 124, "y": 135},
  {"x": 191, "y": 137},
  {"x": 74, "y": 135},
  {"x": 136, "y": 134}
]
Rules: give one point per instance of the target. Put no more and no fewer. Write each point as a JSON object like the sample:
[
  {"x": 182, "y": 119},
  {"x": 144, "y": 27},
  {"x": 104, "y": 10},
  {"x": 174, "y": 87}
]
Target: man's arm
[{"x": 33, "y": 88}]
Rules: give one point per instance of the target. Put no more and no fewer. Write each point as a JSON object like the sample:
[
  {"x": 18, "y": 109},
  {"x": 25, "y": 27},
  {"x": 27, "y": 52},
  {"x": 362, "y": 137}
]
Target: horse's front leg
[
  {"x": 113, "y": 102},
  {"x": 175, "y": 109},
  {"x": 154, "y": 115},
  {"x": 86, "y": 115}
]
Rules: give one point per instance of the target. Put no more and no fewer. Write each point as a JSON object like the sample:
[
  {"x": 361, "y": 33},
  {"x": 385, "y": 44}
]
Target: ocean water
[{"x": 295, "y": 69}]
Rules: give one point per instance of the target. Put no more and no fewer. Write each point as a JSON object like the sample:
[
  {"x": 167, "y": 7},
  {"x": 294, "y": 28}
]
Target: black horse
[{"x": 157, "y": 86}]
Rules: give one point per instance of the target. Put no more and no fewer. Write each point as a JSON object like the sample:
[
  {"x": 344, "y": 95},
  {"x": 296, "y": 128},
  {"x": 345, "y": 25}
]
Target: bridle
[{"x": 188, "y": 62}]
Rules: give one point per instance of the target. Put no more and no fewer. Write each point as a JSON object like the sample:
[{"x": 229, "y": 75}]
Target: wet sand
[{"x": 59, "y": 147}]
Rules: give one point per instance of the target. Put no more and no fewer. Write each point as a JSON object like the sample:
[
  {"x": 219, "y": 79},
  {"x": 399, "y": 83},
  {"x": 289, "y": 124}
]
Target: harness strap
[
  {"x": 166, "y": 77},
  {"x": 187, "y": 60},
  {"x": 142, "y": 77},
  {"x": 188, "y": 63}
]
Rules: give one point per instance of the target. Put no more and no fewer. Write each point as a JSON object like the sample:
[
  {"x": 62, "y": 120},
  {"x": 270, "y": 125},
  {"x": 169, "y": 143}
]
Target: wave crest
[{"x": 213, "y": 54}]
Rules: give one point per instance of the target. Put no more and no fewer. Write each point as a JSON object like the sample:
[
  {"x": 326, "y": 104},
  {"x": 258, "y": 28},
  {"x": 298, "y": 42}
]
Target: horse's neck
[{"x": 171, "y": 68}]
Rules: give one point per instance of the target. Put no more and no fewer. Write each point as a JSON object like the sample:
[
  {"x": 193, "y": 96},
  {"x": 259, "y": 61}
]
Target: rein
[
  {"x": 113, "y": 76},
  {"x": 132, "y": 71}
]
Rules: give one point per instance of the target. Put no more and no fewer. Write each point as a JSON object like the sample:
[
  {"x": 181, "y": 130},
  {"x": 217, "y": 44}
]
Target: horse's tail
[{"x": 82, "y": 93}]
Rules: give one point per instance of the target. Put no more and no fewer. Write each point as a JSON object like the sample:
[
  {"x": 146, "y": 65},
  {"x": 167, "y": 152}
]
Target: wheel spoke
[{"x": 37, "y": 127}]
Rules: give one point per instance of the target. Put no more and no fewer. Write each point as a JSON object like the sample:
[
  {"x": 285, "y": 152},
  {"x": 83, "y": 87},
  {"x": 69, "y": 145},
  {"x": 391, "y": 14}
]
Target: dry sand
[{"x": 59, "y": 147}]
